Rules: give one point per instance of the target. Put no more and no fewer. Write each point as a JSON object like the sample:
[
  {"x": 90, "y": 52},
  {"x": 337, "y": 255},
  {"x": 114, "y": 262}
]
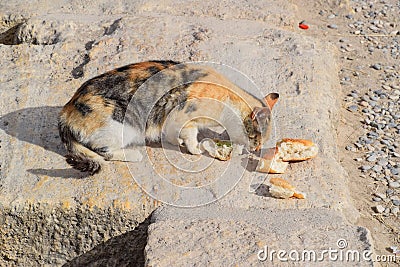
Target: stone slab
[
  {"x": 217, "y": 236},
  {"x": 51, "y": 214}
]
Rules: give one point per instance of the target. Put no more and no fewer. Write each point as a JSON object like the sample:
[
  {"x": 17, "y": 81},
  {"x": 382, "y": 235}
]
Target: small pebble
[
  {"x": 354, "y": 95},
  {"x": 394, "y": 184},
  {"x": 365, "y": 167},
  {"x": 389, "y": 191},
  {"x": 353, "y": 108},
  {"x": 332, "y": 26},
  {"x": 387, "y": 211},
  {"x": 396, "y": 202},
  {"x": 379, "y": 208},
  {"x": 376, "y": 66},
  {"x": 382, "y": 162},
  {"x": 377, "y": 168},
  {"x": 395, "y": 210},
  {"x": 376, "y": 199},
  {"x": 380, "y": 195}
]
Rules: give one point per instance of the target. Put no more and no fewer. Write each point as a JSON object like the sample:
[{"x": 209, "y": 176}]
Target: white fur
[{"x": 116, "y": 136}]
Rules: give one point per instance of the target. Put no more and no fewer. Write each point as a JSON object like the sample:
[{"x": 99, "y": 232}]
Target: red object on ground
[{"x": 303, "y": 26}]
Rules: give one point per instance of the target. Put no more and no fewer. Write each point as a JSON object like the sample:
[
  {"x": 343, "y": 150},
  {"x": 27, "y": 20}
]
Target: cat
[{"x": 106, "y": 117}]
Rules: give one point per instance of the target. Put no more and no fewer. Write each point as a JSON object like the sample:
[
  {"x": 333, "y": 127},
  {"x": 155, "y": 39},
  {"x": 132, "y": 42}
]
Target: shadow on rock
[
  {"x": 37, "y": 126},
  {"x": 60, "y": 173},
  {"x": 124, "y": 250},
  {"x": 261, "y": 190}
]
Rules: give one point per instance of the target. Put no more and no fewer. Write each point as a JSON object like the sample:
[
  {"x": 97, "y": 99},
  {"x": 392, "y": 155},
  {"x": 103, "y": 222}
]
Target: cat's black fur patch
[
  {"x": 67, "y": 135},
  {"x": 83, "y": 164},
  {"x": 83, "y": 108},
  {"x": 166, "y": 63}
]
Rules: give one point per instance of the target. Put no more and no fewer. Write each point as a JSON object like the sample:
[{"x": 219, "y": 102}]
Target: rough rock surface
[{"x": 51, "y": 214}]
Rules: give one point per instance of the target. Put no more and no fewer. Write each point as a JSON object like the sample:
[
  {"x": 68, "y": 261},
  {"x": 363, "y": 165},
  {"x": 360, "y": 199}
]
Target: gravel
[{"x": 375, "y": 102}]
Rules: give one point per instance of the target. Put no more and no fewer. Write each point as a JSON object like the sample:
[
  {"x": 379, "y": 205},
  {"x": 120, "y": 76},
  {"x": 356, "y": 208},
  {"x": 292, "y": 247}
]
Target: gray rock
[
  {"x": 376, "y": 199},
  {"x": 355, "y": 95},
  {"x": 395, "y": 210},
  {"x": 371, "y": 158},
  {"x": 379, "y": 208},
  {"x": 394, "y": 171},
  {"x": 382, "y": 162},
  {"x": 389, "y": 191},
  {"x": 387, "y": 211},
  {"x": 365, "y": 98},
  {"x": 380, "y": 195},
  {"x": 376, "y": 66},
  {"x": 366, "y": 167},
  {"x": 396, "y": 202},
  {"x": 377, "y": 168},
  {"x": 353, "y": 108},
  {"x": 394, "y": 184}
]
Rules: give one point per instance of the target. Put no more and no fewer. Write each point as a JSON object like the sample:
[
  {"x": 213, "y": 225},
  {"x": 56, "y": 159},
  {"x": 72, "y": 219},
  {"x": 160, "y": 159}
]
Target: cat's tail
[
  {"x": 79, "y": 156},
  {"x": 84, "y": 159}
]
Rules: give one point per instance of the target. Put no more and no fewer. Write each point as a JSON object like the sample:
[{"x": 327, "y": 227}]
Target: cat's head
[{"x": 258, "y": 124}]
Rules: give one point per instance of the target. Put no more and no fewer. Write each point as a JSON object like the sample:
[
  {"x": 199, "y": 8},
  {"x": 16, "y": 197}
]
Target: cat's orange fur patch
[
  {"x": 208, "y": 90},
  {"x": 94, "y": 120}
]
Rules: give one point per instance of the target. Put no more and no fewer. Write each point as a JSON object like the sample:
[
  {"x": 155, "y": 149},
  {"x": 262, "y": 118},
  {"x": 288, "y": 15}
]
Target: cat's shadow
[{"x": 38, "y": 126}]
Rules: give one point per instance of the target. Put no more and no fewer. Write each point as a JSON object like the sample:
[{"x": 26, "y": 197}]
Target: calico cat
[{"x": 115, "y": 112}]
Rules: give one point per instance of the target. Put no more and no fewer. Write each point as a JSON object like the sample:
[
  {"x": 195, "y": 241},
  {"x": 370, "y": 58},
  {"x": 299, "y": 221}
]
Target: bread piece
[
  {"x": 271, "y": 163},
  {"x": 219, "y": 149},
  {"x": 281, "y": 188},
  {"x": 296, "y": 149}
]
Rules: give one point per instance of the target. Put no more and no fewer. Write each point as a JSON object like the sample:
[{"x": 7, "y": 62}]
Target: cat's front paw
[{"x": 195, "y": 150}]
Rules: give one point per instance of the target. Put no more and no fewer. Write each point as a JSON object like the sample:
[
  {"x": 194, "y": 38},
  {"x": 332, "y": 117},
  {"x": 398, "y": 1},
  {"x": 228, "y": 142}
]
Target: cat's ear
[
  {"x": 260, "y": 113},
  {"x": 271, "y": 99}
]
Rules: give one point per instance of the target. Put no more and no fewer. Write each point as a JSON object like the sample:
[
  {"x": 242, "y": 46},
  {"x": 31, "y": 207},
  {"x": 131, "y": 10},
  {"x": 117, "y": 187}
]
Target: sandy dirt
[{"x": 356, "y": 62}]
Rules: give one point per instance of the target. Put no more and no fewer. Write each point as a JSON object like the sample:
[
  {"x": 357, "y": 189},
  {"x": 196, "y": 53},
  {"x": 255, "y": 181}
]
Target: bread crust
[
  {"x": 305, "y": 142},
  {"x": 281, "y": 183},
  {"x": 305, "y": 147},
  {"x": 281, "y": 188},
  {"x": 271, "y": 163}
]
